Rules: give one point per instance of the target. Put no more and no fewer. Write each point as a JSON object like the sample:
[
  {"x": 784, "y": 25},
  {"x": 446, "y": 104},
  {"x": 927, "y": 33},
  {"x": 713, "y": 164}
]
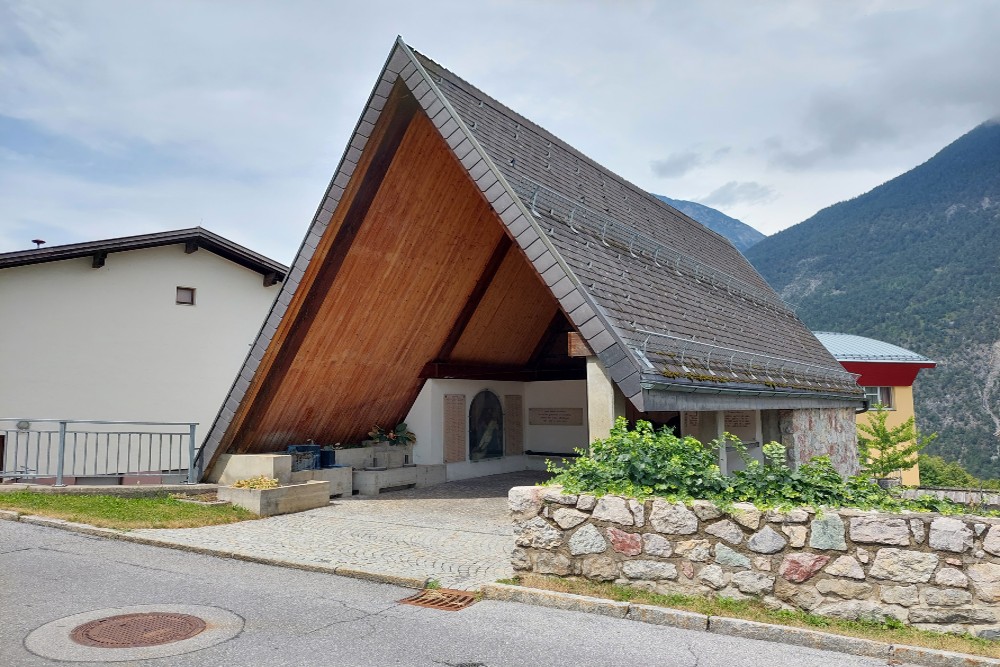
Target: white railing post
[
  {"x": 62, "y": 454},
  {"x": 192, "y": 469}
]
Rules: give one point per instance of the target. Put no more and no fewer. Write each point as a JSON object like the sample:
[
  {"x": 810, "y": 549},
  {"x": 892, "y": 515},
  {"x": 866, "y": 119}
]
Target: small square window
[{"x": 185, "y": 296}]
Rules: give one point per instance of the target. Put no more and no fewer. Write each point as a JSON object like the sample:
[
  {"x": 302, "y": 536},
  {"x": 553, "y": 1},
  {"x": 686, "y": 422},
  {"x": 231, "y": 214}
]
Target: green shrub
[
  {"x": 935, "y": 471},
  {"x": 642, "y": 463}
]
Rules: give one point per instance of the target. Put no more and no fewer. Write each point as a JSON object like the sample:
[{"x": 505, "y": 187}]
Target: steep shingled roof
[{"x": 666, "y": 304}]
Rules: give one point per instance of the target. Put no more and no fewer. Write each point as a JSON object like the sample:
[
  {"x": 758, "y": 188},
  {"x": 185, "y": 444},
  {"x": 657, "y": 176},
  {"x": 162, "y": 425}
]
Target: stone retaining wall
[{"x": 933, "y": 572}]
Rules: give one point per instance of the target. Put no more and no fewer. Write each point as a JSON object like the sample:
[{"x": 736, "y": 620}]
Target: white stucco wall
[
  {"x": 111, "y": 343},
  {"x": 426, "y": 420}
]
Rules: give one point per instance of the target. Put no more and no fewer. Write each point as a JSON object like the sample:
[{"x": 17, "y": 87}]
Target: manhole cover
[
  {"x": 137, "y": 630},
  {"x": 444, "y": 599}
]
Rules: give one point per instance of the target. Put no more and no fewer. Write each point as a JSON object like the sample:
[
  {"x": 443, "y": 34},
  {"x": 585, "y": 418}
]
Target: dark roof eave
[
  {"x": 657, "y": 383},
  {"x": 210, "y": 241}
]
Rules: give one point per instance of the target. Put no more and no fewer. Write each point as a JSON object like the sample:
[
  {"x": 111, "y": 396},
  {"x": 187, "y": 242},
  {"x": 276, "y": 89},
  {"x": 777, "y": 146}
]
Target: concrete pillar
[{"x": 604, "y": 401}]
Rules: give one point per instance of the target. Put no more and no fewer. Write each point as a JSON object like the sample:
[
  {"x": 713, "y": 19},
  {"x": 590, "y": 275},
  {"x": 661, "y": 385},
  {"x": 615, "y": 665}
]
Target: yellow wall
[{"x": 902, "y": 398}]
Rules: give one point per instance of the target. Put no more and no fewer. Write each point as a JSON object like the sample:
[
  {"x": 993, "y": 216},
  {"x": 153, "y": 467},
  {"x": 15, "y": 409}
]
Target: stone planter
[
  {"x": 392, "y": 456},
  {"x": 355, "y": 457},
  {"x": 282, "y": 500}
]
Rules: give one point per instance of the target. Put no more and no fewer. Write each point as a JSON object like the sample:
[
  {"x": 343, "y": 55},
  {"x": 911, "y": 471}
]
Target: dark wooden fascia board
[
  {"x": 397, "y": 123},
  {"x": 475, "y": 297},
  {"x": 98, "y": 259},
  {"x": 460, "y": 371}
]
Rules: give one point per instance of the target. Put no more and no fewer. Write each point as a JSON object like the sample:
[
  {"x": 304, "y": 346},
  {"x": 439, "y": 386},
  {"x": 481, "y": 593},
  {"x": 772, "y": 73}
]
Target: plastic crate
[{"x": 304, "y": 457}]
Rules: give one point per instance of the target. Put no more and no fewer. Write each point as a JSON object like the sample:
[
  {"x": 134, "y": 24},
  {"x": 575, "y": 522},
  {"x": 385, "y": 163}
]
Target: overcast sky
[{"x": 133, "y": 116}]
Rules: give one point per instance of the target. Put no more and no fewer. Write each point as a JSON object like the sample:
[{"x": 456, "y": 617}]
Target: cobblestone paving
[{"x": 458, "y": 533}]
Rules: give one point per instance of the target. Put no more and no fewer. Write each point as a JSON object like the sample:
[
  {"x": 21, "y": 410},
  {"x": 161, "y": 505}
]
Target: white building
[{"x": 148, "y": 328}]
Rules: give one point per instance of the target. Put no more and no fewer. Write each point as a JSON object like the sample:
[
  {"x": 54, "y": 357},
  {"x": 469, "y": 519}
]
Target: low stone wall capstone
[{"x": 930, "y": 571}]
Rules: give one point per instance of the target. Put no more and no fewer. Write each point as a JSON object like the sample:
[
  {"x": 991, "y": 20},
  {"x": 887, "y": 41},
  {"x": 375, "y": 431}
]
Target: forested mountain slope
[
  {"x": 915, "y": 262},
  {"x": 739, "y": 233}
]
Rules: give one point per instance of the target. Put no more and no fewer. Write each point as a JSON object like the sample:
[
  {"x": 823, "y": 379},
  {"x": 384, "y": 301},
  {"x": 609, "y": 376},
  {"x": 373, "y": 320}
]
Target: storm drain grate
[
  {"x": 137, "y": 630},
  {"x": 445, "y": 599}
]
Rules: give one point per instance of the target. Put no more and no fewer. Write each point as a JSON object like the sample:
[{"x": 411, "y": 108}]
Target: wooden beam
[
  {"x": 475, "y": 297},
  {"x": 460, "y": 371},
  {"x": 557, "y": 326},
  {"x": 99, "y": 257},
  {"x": 190, "y": 246},
  {"x": 270, "y": 278},
  {"x": 576, "y": 346}
]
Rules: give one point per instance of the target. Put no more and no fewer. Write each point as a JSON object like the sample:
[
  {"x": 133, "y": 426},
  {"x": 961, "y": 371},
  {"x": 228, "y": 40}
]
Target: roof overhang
[
  {"x": 193, "y": 239},
  {"x": 886, "y": 373},
  {"x": 664, "y": 394}
]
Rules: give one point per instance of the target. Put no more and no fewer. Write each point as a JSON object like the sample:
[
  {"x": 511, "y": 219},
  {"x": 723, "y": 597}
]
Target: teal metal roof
[{"x": 848, "y": 347}]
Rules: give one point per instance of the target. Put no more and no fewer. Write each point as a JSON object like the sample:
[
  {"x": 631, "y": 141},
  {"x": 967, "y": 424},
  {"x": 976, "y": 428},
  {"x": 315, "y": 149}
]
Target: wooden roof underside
[{"x": 415, "y": 276}]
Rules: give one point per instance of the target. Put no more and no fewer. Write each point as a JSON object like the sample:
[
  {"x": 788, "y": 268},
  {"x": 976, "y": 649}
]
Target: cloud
[
  {"x": 679, "y": 164},
  {"x": 736, "y": 192}
]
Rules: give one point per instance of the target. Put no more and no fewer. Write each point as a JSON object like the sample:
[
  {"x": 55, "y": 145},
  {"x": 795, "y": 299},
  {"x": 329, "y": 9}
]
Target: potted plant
[{"x": 885, "y": 451}]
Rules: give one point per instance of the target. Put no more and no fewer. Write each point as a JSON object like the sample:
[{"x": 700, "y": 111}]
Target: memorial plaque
[
  {"x": 692, "y": 420},
  {"x": 555, "y": 416},
  {"x": 513, "y": 416},
  {"x": 454, "y": 428},
  {"x": 738, "y": 419}
]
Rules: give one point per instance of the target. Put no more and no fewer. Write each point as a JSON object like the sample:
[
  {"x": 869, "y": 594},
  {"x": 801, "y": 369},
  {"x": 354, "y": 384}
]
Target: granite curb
[
  {"x": 110, "y": 533},
  {"x": 894, "y": 654}
]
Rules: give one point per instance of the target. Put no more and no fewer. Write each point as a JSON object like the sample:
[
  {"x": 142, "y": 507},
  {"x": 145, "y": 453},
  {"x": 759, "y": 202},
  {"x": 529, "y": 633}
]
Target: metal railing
[{"x": 32, "y": 449}]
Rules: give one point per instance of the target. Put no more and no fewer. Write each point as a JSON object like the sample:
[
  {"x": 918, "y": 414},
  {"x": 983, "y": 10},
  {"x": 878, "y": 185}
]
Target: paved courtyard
[{"x": 458, "y": 533}]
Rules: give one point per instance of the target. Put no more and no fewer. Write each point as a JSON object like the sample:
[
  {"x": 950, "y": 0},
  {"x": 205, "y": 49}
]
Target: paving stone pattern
[{"x": 458, "y": 533}]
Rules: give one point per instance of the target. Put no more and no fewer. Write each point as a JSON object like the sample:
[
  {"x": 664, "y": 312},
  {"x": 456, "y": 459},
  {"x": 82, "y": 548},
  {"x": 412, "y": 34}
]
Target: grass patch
[
  {"x": 122, "y": 513},
  {"x": 892, "y": 632}
]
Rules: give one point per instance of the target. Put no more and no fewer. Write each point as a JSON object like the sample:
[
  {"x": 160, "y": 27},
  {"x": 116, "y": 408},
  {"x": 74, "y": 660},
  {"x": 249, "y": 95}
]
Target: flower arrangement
[
  {"x": 259, "y": 482},
  {"x": 400, "y": 435}
]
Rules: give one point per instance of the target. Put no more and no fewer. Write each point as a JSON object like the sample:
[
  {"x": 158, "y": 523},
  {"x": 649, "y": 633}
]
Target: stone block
[
  {"x": 525, "y": 501},
  {"x": 649, "y": 570},
  {"x": 568, "y": 518},
  {"x": 906, "y": 596},
  {"x": 791, "y": 516},
  {"x": 638, "y": 512},
  {"x": 880, "y": 530},
  {"x": 629, "y": 544},
  {"x": 587, "y": 540},
  {"x": 946, "y": 597},
  {"x": 991, "y": 543},
  {"x": 766, "y": 541},
  {"x": 908, "y": 567},
  {"x": 600, "y": 568},
  {"x": 746, "y": 515},
  {"x": 805, "y": 597},
  {"x": 657, "y": 545},
  {"x": 800, "y": 567},
  {"x": 949, "y": 534},
  {"x": 964, "y": 615},
  {"x": 949, "y": 576},
  {"x": 548, "y": 562},
  {"x": 537, "y": 533},
  {"x": 918, "y": 530},
  {"x": 846, "y": 566},
  {"x": 753, "y": 583},
  {"x": 698, "y": 551},
  {"x": 714, "y": 577},
  {"x": 861, "y": 610},
  {"x": 726, "y": 530},
  {"x": 586, "y": 503},
  {"x": 672, "y": 518},
  {"x": 851, "y": 590},
  {"x": 705, "y": 510},
  {"x": 614, "y": 510},
  {"x": 828, "y": 533},
  {"x": 985, "y": 579},
  {"x": 796, "y": 535},
  {"x": 282, "y": 500},
  {"x": 726, "y": 556}
]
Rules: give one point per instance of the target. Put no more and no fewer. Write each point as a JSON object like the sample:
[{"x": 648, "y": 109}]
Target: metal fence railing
[{"x": 67, "y": 449}]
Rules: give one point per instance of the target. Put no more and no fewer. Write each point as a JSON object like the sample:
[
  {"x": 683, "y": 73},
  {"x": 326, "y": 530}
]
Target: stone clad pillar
[{"x": 809, "y": 432}]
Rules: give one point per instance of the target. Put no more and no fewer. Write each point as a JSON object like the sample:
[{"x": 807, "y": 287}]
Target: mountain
[
  {"x": 739, "y": 233},
  {"x": 915, "y": 262}
]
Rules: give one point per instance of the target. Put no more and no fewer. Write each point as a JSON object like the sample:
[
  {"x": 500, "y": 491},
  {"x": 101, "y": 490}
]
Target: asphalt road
[{"x": 300, "y": 618}]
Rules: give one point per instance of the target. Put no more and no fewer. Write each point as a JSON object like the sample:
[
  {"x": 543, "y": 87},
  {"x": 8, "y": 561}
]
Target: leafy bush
[
  {"x": 935, "y": 471},
  {"x": 642, "y": 463}
]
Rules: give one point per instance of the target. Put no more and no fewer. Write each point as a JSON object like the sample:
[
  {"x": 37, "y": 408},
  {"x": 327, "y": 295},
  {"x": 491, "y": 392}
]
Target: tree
[{"x": 883, "y": 450}]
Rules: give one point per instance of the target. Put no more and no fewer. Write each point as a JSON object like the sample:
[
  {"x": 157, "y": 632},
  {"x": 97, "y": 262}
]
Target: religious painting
[{"x": 485, "y": 427}]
